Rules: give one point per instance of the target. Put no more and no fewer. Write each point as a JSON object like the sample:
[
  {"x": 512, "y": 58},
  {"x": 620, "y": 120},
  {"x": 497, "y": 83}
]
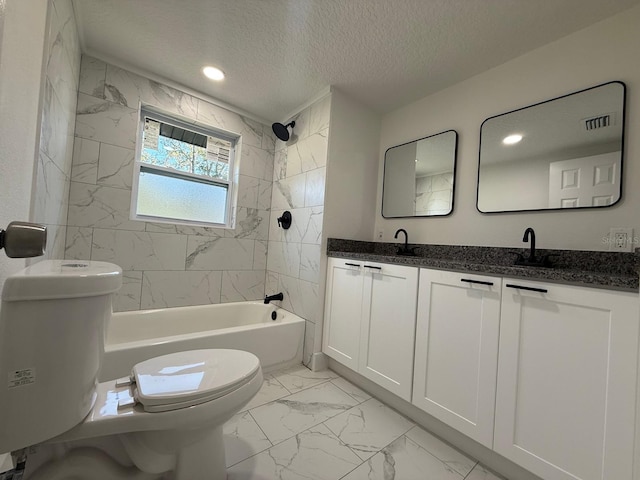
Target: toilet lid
[{"x": 184, "y": 379}]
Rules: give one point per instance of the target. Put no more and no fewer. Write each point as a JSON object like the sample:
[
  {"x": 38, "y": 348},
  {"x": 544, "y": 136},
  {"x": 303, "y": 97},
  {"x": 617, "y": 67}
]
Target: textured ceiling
[{"x": 278, "y": 54}]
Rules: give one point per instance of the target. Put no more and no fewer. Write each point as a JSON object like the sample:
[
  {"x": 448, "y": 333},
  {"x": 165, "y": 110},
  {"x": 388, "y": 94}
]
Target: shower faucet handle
[{"x": 23, "y": 240}]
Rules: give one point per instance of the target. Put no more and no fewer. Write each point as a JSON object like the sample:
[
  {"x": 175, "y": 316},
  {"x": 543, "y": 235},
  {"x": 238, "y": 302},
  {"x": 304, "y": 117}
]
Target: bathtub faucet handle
[{"x": 270, "y": 298}]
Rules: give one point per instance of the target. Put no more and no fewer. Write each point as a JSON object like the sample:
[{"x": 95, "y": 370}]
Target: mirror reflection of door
[
  {"x": 559, "y": 154},
  {"x": 585, "y": 182}
]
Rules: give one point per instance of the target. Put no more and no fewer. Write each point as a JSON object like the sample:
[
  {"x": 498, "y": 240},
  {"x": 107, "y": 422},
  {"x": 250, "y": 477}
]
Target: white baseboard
[{"x": 319, "y": 361}]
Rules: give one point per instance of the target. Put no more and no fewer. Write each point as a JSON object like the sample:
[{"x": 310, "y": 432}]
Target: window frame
[{"x": 139, "y": 165}]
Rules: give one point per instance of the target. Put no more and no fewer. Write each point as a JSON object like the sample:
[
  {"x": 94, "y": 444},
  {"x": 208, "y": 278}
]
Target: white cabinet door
[
  {"x": 343, "y": 311},
  {"x": 456, "y": 360},
  {"x": 567, "y": 380},
  {"x": 388, "y": 327}
]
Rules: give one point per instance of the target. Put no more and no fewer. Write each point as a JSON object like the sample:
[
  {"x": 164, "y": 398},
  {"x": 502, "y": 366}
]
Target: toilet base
[{"x": 203, "y": 459}]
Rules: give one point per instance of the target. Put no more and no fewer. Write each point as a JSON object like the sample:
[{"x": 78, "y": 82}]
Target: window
[{"x": 182, "y": 173}]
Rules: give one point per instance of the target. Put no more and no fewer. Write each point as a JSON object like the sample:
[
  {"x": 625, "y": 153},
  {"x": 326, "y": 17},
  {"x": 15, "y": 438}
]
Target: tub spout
[{"x": 270, "y": 298}]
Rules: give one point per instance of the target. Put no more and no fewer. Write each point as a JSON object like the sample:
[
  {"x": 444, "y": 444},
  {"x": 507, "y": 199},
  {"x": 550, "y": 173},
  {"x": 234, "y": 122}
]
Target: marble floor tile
[
  {"x": 481, "y": 473},
  {"x": 271, "y": 390},
  {"x": 451, "y": 457},
  {"x": 351, "y": 389},
  {"x": 313, "y": 454},
  {"x": 243, "y": 438},
  {"x": 369, "y": 427},
  {"x": 403, "y": 460},
  {"x": 300, "y": 377},
  {"x": 288, "y": 416}
]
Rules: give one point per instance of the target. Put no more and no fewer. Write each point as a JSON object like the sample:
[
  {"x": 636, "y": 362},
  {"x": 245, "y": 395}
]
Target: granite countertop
[{"x": 609, "y": 270}]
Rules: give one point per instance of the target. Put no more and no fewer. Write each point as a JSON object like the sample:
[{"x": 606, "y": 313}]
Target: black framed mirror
[
  {"x": 419, "y": 177},
  {"x": 560, "y": 154}
]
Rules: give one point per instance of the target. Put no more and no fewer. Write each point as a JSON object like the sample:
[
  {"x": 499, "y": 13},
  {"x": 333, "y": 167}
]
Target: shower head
[{"x": 281, "y": 130}]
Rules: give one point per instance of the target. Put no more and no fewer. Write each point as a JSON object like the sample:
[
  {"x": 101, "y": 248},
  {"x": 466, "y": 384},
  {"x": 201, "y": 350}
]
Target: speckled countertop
[{"x": 610, "y": 270}]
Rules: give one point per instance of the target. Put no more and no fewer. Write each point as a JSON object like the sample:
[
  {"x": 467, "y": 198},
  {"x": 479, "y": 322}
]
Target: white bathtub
[{"x": 136, "y": 336}]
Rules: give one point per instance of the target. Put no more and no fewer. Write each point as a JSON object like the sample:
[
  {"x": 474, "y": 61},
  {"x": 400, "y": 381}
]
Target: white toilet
[{"x": 164, "y": 422}]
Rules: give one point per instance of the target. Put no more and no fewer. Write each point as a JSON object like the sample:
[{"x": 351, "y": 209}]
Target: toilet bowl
[{"x": 163, "y": 422}]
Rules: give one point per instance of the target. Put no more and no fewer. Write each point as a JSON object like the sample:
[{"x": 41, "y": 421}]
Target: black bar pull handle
[
  {"x": 352, "y": 264},
  {"x": 522, "y": 287},
  {"x": 479, "y": 282},
  {"x": 371, "y": 266}
]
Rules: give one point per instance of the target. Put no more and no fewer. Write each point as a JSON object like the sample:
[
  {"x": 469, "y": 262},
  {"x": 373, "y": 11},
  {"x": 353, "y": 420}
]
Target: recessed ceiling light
[
  {"x": 512, "y": 139},
  {"x": 213, "y": 73}
]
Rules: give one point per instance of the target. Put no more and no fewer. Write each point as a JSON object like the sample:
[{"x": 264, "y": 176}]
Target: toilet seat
[{"x": 184, "y": 379}]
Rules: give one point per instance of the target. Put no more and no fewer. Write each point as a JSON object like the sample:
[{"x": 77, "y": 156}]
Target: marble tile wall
[
  {"x": 293, "y": 260},
  {"x": 165, "y": 265},
  {"x": 433, "y": 194},
  {"x": 60, "y": 93}
]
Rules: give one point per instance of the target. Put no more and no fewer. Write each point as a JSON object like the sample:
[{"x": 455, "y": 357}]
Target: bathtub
[{"x": 136, "y": 336}]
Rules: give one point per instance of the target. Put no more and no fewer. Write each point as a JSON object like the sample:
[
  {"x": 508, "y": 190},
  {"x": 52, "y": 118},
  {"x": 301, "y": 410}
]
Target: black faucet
[
  {"x": 404, "y": 250},
  {"x": 532, "y": 253},
  {"x": 270, "y": 298}
]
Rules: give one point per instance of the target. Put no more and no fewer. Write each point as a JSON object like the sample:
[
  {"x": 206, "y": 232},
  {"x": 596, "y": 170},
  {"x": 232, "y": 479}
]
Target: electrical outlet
[
  {"x": 621, "y": 239},
  {"x": 380, "y": 234}
]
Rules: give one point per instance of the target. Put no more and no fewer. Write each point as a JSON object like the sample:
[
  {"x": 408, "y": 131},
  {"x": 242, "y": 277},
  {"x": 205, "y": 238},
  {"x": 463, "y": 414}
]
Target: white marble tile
[
  {"x": 255, "y": 162},
  {"x": 271, "y": 283},
  {"x": 128, "y": 89},
  {"x": 78, "y": 243},
  {"x": 69, "y": 30},
  {"x": 351, "y": 389},
  {"x": 306, "y": 226},
  {"x": 250, "y": 223},
  {"x": 56, "y": 237},
  {"x": 311, "y": 153},
  {"x": 243, "y": 438},
  {"x": 443, "y": 181},
  {"x": 299, "y": 378},
  {"x": 184, "y": 229},
  {"x": 210, "y": 253},
  {"x": 238, "y": 286},
  {"x": 115, "y": 166},
  {"x": 307, "y": 348},
  {"x": 271, "y": 390},
  {"x": 52, "y": 193},
  {"x": 101, "y": 206},
  {"x": 452, "y": 458},
  {"x": 288, "y": 416},
  {"x": 280, "y": 164},
  {"x": 403, "y": 460},
  {"x": 268, "y": 138},
  {"x": 368, "y": 427},
  {"x": 284, "y": 258},
  {"x": 59, "y": 67},
  {"x": 301, "y": 297},
  {"x": 180, "y": 289},
  {"x": 301, "y": 130},
  {"x": 311, "y": 232},
  {"x": 481, "y": 473},
  {"x": 319, "y": 115},
  {"x": 289, "y": 193},
  {"x": 218, "y": 117},
  {"x": 248, "y": 188},
  {"x": 85, "y": 160},
  {"x": 314, "y": 189},
  {"x": 260, "y": 255},
  {"x": 292, "y": 160},
  {"x": 314, "y": 454},
  {"x": 310, "y": 263},
  {"x": 264, "y": 194},
  {"x": 56, "y": 138},
  {"x": 92, "y": 75},
  {"x": 106, "y": 121},
  {"x": 139, "y": 250},
  {"x": 128, "y": 297}
]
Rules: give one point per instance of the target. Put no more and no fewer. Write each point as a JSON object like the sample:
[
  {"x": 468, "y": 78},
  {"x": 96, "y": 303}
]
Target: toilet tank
[{"x": 53, "y": 318}]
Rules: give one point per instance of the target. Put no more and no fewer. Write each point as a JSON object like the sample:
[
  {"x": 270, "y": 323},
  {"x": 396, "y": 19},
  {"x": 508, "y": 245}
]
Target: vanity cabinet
[
  {"x": 456, "y": 356},
  {"x": 567, "y": 373},
  {"x": 370, "y": 315}
]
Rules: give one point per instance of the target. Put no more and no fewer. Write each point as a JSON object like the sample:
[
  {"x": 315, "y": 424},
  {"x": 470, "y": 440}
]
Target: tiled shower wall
[
  {"x": 165, "y": 265},
  {"x": 293, "y": 265},
  {"x": 433, "y": 194},
  {"x": 60, "y": 87}
]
